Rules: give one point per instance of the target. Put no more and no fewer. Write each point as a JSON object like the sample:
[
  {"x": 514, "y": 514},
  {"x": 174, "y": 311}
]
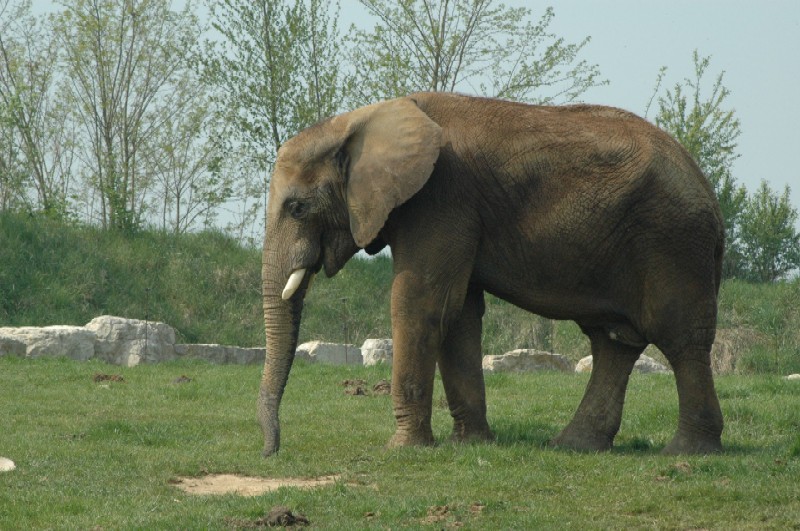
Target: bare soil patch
[{"x": 246, "y": 485}]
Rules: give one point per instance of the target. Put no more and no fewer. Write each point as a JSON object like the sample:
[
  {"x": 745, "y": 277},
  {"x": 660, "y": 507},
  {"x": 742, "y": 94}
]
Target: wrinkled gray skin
[{"x": 580, "y": 212}]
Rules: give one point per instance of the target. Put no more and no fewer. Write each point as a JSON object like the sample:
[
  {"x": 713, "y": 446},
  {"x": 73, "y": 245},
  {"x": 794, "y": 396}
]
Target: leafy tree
[
  {"x": 770, "y": 243},
  {"x": 36, "y": 145},
  {"x": 710, "y": 133},
  {"x": 467, "y": 45},
  {"x": 275, "y": 70},
  {"x": 125, "y": 71}
]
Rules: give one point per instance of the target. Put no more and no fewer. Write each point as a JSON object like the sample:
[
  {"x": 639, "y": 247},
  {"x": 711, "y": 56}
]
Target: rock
[
  {"x": 11, "y": 347},
  {"x": 645, "y": 365},
  {"x": 129, "y": 342},
  {"x": 74, "y": 342},
  {"x": 331, "y": 353},
  {"x": 6, "y": 464},
  {"x": 220, "y": 354},
  {"x": 792, "y": 377},
  {"x": 377, "y": 352},
  {"x": 526, "y": 360},
  {"x": 584, "y": 365}
]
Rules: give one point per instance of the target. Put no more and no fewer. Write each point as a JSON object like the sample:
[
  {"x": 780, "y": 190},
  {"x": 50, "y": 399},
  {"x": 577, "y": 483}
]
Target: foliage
[
  {"x": 127, "y": 78},
  {"x": 467, "y": 45},
  {"x": 203, "y": 284},
  {"x": 107, "y": 455},
  {"x": 769, "y": 240},
  {"x": 709, "y": 132},
  {"x": 275, "y": 70},
  {"x": 35, "y": 143}
]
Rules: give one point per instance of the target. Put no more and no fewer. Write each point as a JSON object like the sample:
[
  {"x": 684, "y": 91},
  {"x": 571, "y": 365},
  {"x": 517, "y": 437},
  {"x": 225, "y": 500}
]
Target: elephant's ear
[{"x": 392, "y": 147}]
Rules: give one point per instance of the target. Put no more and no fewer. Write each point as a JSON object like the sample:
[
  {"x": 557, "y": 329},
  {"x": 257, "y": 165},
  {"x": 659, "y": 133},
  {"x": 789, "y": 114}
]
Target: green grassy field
[{"x": 106, "y": 455}]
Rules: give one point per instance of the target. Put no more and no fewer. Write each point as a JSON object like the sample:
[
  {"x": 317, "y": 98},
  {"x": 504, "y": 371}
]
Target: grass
[{"x": 102, "y": 455}]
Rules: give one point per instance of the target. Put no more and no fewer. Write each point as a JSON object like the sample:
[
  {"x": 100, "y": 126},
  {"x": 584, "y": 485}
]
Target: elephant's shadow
[{"x": 539, "y": 434}]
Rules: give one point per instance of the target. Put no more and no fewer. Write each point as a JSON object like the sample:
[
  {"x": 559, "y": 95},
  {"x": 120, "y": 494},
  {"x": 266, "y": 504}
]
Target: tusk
[{"x": 293, "y": 283}]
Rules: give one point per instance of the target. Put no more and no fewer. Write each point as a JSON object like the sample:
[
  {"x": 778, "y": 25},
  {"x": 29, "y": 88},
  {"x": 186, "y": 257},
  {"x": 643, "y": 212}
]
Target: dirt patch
[{"x": 246, "y": 485}]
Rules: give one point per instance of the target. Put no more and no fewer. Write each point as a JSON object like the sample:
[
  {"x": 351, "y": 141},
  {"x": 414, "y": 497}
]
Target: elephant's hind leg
[
  {"x": 460, "y": 364},
  {"x": 699, "y": 415},
  {"x": 599, "y": 414}
]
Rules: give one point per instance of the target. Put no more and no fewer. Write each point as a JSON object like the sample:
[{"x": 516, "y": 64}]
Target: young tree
[
  {"x": 35, "y": 145},
  {"x": 770, "y": 243},
  {"x": 474, "y": 46},
  {"x": 710, "y": 133},
  {"x": 124, "y": 64},
  {"x": 275, "y": 70}
]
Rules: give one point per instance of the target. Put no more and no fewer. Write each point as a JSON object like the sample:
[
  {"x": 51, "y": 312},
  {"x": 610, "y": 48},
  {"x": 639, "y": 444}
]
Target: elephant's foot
[
  {"x": 693, "y": 443},
  {"x": 471, "y": 432},
  {"x": 582, "y": 440},
  {"x": 411, "y": 438}
]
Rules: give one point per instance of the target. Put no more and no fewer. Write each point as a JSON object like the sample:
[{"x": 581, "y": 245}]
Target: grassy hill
[{"x": 208, "y": 288}]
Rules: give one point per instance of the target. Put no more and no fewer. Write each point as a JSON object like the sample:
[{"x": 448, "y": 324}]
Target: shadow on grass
[
  {"x": 536, "y": 434},
  {"x": 539, "y": 434}
]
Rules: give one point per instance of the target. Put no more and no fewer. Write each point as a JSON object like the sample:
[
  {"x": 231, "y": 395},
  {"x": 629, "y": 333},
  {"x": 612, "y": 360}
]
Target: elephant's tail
[{"x": 719, "y": 255}]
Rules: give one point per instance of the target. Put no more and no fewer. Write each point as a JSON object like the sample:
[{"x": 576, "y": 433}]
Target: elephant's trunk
[{"x": 282, "y": 324}]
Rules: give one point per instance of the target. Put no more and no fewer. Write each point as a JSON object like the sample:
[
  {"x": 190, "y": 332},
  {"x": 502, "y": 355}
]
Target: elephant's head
[{"x": 332, "y": 190}]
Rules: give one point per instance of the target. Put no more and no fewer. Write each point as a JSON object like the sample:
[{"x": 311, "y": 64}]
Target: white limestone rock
[
  {"x": 377, "y": 352},
  {"x": 129, "y": 342},
  {"x": 74, "y": 342},
  {"x": 12, "y": 347},
  {"x": 331, "y": 353},
  {"x": 6, "y": 464},
  {"x": 526, "y": 360},
  {"x": 584, "y": 365},
  {"x": 645, "y": 365}
]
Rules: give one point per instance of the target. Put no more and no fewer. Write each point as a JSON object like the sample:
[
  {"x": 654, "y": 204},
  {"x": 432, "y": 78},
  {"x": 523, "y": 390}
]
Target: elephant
[{"x": 573, "y": 212}]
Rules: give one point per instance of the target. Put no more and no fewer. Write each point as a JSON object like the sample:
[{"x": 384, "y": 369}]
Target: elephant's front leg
[
  {"x": 422, "y": 310},
  {"x": 462, "y": 372},
  {"x": 416, "y": 343}
]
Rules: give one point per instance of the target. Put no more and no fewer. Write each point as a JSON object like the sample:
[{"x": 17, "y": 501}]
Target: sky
[{"x": 755, "y": 42}]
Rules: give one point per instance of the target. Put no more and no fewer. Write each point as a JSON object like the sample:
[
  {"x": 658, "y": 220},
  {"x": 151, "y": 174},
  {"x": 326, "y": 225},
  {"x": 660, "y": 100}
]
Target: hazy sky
[{"x": 756, "y": 43}]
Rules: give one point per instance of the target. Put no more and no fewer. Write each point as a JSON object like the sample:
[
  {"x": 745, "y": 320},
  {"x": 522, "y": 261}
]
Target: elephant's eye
[{"x": 297, "y": 209}]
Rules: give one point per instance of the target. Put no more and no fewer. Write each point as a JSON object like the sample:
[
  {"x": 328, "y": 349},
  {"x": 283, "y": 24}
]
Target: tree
[
  {"x": 125, "y": 78},
  {"x": 770, "y": 242},
  {"x": 709, "y": 132},
  {"x": 468, "y": 45},
  {"x": 36, "y": 145},
  {"x": 275, "y": 70}
]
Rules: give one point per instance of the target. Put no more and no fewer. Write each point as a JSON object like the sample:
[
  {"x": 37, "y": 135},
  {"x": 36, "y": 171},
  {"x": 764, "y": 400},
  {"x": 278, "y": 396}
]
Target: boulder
[
  {"x": 645, "y": 365},
  {"x": 584, "y": 365},
  {"x": 74, "y": 342},
  {"x": 526, "y": 360},
  {"x": 12, "y": 347},
  {"x": 377, "y": 352},
  {"x": 130, "y": 341},
  {"x": 6, "y": 464},
  {"x": 331, "y": 353},
  {"x": 220, "y": 354}
]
